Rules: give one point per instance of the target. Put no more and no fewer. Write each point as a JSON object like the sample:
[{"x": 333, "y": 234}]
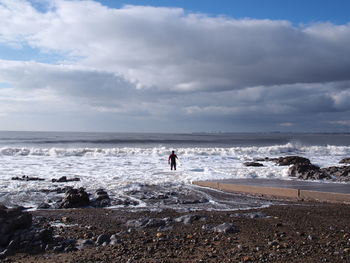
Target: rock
[
  {"x": 146, "y": 223},
  {"x": 13, "y": 245},
  {"x": 345, "y": 160},
  {"x": 273, "y": 243},
  {"x": 4, "y": 254},
  {"x": 340, "y": 173},
  {"x": 4, "y": 239},
  {"x": 226, "y": 228},
  {"x": 17, "y": 233},
  {"x": 303, "y": 171},
  {"x": 75, "y": 198},
  {"x": 289, "y": 160},
  {"x": 101, "y": 199},
  {"x": 102, "y": 239},
  {"x": 253, "y": 164},
  {"x": 309, "y": 171},
  {"x": 27, "y": 178},
  {"x": 188, "y": 219},
  {"x": 64, "y": 179}
]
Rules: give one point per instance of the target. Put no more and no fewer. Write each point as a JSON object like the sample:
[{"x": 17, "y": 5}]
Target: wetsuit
[{"x": 172, "y": 158}]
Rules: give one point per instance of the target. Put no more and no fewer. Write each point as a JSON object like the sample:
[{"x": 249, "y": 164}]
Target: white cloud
[{"x": 152, "y": 62}]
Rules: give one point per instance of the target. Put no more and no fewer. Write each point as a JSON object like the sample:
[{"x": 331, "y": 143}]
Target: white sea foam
[{"x": 116, "y": 169}]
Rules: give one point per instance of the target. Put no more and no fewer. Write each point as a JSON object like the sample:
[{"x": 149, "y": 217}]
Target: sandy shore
[{"x": 295, "y": 232}]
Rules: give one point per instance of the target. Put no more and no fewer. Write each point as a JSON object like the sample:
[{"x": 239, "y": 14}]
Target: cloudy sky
[{"x": 179, "y": 65}]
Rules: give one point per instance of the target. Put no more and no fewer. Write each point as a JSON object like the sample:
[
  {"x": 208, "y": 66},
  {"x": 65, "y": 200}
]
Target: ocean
[{"x": 131, "y": 165}]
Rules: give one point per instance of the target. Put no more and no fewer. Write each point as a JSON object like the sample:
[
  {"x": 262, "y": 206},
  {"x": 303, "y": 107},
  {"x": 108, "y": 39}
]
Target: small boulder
[
  {"x": 102, "y": 239},
  {"x": 226, "y": 228},
  {"x": 75, "y": 198},
  {"x": 189, "y": 219},
  {"x": 101, "y": 199}
]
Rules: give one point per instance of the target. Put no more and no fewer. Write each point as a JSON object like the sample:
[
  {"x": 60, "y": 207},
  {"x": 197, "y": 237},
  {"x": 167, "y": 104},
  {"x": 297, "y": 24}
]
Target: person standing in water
[{"x": 172, "y": 160}]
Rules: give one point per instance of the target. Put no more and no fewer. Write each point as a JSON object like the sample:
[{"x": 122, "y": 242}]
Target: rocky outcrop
[
  {"x": 305, "y": 171},
  {"x": 345, "y": 160},
  {"x": 339, "y": 173},
  {"x": 313, "y": 172},
  {"x": 17, "y": 234},
  {"x": 289, "y": 160},
  {"x": 75, "y": 198}
]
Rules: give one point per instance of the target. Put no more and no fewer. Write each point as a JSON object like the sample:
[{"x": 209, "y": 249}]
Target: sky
[{"x": 175, "y": 65}]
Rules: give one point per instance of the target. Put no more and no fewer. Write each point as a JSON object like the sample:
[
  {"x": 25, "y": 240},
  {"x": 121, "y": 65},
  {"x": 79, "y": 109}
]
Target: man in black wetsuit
[{"x": 172, "y": 160}]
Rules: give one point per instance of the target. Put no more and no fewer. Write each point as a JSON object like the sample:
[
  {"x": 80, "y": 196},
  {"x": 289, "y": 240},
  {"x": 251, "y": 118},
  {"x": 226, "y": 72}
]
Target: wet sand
[{"x": 293, "y": 232}]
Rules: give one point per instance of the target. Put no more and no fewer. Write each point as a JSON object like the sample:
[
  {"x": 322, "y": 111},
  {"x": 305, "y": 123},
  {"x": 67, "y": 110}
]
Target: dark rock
[
  {"x": 27, "y": 178},
  {"x": 306, "y": 172},
  {"x": 273, "y": 243},
  {"x": 4, "y": 254},
  {"x": 101, "y": 199},
  {"x": 226, "y": 228},
  {"x": 339, "y": 172},
  {"x": 289, "y": 160},
  {"x": 102, "y": 239},
  {"x": 4, "y": 239},
  {"x": 64, "y": 179},
  {"x": 345, "y": 160},
  {"x": 253, "y": 164},
  {"x": 75, "y": 198},
  {"x": 303, "y": 171},
  {"x": 17, "y": 233}
]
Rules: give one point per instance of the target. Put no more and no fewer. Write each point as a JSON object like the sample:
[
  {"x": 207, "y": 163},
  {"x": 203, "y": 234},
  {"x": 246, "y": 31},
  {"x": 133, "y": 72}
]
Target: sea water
[{"x": 122, "y": 163}]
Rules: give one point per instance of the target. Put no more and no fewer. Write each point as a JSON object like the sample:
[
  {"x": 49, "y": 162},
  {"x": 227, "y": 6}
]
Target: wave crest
[{"x": 276, "y": 150}]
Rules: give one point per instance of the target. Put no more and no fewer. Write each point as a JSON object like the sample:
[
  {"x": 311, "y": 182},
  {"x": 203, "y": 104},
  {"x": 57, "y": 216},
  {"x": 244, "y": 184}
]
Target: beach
[{"x": 293, "y": 232}]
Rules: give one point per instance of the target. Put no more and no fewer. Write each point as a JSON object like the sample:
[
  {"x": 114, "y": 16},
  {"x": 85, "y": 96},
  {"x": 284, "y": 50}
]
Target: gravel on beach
[{"x": 294, "y": 232}]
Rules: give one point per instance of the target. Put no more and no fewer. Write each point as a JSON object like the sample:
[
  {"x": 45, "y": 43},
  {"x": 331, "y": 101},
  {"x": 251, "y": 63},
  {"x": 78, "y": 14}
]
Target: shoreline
[{"x": 293, "y": 232}]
